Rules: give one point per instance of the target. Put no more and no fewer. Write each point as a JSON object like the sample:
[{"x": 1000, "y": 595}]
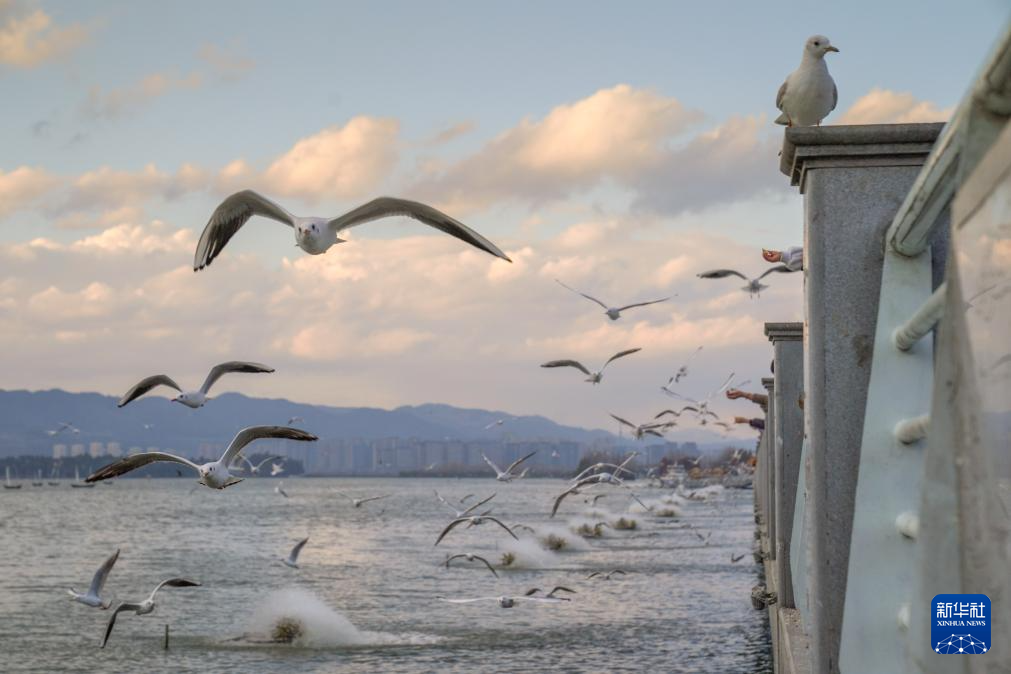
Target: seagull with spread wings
[
  {"x": 193, "y": 399},
  {"x": 146, "y": 606},
  {"x": 473, "y": 520},
  {"x": 471, "y": 557},
  {"x": 642, "y": 430},
  {"x": 359, "y": 502},
  {"x": 292, "y": 559},
  {"x": 213, "y": 474},
  {"x": 254, "y": 469},
  {"x": 682, "y": 371},
  {"x": 755, "y": 285},
  {"x": 592, "y": 377},
  {"x": 316, "y": 235},
  {"x": 93, "y": 597},
  {"x": 614, "y": 313},
  {"x": 507, "y": 475},
  {"x": 457, "y": 513}
]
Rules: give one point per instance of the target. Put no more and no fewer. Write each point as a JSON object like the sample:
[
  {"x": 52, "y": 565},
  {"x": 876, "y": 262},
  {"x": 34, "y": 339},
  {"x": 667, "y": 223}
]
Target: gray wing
[
  {"x": 145, "y": 385},
  {"x": 499, "y": 522},
  {"x": 780, "y": 269},
  {"x": 476, "y": 505},
  {"x": 835, "y": 95},
  {"x": 247, "y": 435},
  {"x": 626, "y": 422},
  {"x": 112, "y": 619},
  {"x": 621, "y": 466},
  {"x": 450, "y": 526},
  {"x": 388, "y": 206},
  {"x": 173, "y": 582},
  {"x": 298, "y": 549},
  {"x": 592, "y": 299},
  {"x": 722, "y": 273},
  {"x": 620, "y": 354},
  {"x": 561, "y": 497},
  {"x": 134, "y": 461},
  {"x": 643, "y": 304},
  {"x": 98, "y": 582},
  {"x": 269, "y": 458},
  {"x": 229, "y": 217},
  {"x": 673, "y": 412},
  {"x": 519, "y": 461},
  {"x": 568, "y": 363},
  {"x": 490, "y": 463},
  {"x": 488, "y": 564},
  {"x": 650, "y": 431},
  {"x": 781, "y": 93},
  {"x": 232, "y": 366}
]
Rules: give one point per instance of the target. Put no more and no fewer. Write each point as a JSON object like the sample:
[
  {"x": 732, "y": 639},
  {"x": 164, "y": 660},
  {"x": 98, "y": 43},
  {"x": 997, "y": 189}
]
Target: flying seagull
[
  {"x": 316, "y": 235},
  {"x": 276, "y": 468},
  {"x": 254, "y": 469},
  {"x": 497, "y": 422},
  {"x": 683, "y": 370},
  {"x": 457, "y": 513},
  {"x": 592, "y": 377},
  {"x": 292, "y": 559},
  {"x": 550, "y": 595},
  {"x": 755, "y": 285},
  {"x": 507, "y": 475},
  {"x": 93, "y": 597},
  {"x": 735, "y": 558},
  {"x": 146, "y": 606},
  {"x": 605, "y": 576},
  {"x": 474, "y": 520},
  {"x": 641, "y": 430},
  {"x": 701, "y": 407},
  {"x": 192, "y": 399},
  {"x": 809, "y": 92},
  {"x": 598, "y": 466},
  {"x": 614, "y": 313},
  {"x": 279, "y": 489},
  {"x": 470, "y": 557},
  {"x": 504, "y": 601},
  {"x": 213, "y": 474},
  {"x": 358, "y": 502},
  {"x": 64, "y": 426},
  {"x": 293, "y": 420}
]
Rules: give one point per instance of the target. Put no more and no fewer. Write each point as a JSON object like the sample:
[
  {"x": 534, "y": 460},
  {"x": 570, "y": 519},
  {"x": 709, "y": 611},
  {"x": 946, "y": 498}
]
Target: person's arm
[
  {"x": 757, "y": 398},
  {"x": 793, "y": 258}
]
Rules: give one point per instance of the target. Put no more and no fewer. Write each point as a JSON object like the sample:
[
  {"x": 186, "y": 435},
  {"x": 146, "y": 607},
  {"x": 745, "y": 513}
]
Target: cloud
[
  {"x": 883, "y": 106},
  {"x": 110, "y": 218},
  {"x": 225, "y": 63},
  {"x": 114, "y": 103},
  {"x": 337, "y": 162},
  {"x": 615, "y": 133},
  {"x": 451, "y": 133},
  {"x": 23, "y": 186},
  {"x": 107, "y": 188},
  {"x": 27, "y": 40}
]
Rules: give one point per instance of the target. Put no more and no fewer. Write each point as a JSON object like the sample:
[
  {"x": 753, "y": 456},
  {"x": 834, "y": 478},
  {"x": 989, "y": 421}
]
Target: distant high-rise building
[
  {"x": 114, "y": 449},
  {"x": 59, "y": 451},
  {"x": 77, "y": 449},
  {"x": 96, "y": 450}
]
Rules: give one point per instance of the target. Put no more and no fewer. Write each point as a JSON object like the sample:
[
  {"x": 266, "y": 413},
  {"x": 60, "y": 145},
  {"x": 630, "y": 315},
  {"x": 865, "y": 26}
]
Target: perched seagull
[
  {"x": 279, "y": 489},
  {"x": 213, "y": 474},
  {"x": 735, "y": 558},
  {"x": 683, "y": 370},
  {"x": 470, "y": 557},
  {"x": 462, "y": 513},
  {"x": 92, "y": 597},
  {"x": 474, "y": 520},
  {"x": 507, "y": 474},
  {"x": 146, "y": 606},
  {"x": 493, "y": 424},
  {"x": 193, "y": 399},
  {"x": 255, "y": 469},
  {"x": 809, "y": 92},
  {"x": 276, "y": 468},
  {"x": 641, "y": 430},
  {"x": 316, "y": 235},
  {"x": 605, "y": 576},
  {"x": 292, "y": 559},
  {"x": 550, "y": 595},
  {"x": 294, "y": 420},
  {"x": 614, "y": 313},
  {"x": 592, "y": 377},
  {"x": 504, "y": 602},
  {"x": 359, "y": 501},
  {"x": 755, "y": 285}
]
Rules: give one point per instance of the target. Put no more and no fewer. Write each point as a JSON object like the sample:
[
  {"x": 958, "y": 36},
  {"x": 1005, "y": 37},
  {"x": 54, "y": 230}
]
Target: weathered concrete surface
[
  {"x": 788, "y": 358},
  {"x": 854, "y": 179},
  {"x": 770, "y": 465}
]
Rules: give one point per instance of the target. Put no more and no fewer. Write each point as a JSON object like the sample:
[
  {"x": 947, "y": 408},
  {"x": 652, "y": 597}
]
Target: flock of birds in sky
[{"x": 805, "y": 98}]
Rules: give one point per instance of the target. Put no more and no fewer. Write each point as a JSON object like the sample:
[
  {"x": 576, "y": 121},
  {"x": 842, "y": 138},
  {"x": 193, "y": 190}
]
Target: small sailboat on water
[
  {"x": 11, "y": 485},
  {"x": 77, "y": 484},
  {"x": 37, "y": 482},
  {"x": 53, "y": 482}
]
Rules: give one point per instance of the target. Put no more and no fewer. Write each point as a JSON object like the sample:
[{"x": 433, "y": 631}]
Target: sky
[{"x": 619, "y": 147}]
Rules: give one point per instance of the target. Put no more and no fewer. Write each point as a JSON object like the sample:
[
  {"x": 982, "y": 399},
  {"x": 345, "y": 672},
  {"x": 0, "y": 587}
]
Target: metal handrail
[
  {"x": 909, "y": 431},
  {"x": 922, "y": 321}
]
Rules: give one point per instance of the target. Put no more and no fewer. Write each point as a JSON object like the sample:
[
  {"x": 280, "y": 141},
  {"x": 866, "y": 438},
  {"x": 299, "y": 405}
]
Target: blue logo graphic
[{"x": 960, "y": 624}]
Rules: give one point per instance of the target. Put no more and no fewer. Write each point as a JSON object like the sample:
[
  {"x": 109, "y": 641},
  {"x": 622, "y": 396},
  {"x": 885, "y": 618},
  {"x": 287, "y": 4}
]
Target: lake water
[{"x": 366, "y": 593}]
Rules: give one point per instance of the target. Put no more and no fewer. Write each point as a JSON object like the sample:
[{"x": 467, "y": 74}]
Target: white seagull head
[
  {"x": 314, "y": 235},
  {"x": 817, "y": 46}
]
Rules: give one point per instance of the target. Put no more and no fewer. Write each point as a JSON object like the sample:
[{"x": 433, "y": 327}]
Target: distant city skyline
[{"x": 619, "y": 149}]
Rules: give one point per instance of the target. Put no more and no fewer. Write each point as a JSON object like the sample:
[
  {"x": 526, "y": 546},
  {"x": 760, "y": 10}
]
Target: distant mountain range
[{"x": 25, "y": 416}]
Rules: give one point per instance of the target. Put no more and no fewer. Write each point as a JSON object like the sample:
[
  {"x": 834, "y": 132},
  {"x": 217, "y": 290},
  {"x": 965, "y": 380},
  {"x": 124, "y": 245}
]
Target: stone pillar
[
  {"x": 853, "y": 178},
  {"x": 769, "y": 438},
  {"x": 788, "y": 359}
]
